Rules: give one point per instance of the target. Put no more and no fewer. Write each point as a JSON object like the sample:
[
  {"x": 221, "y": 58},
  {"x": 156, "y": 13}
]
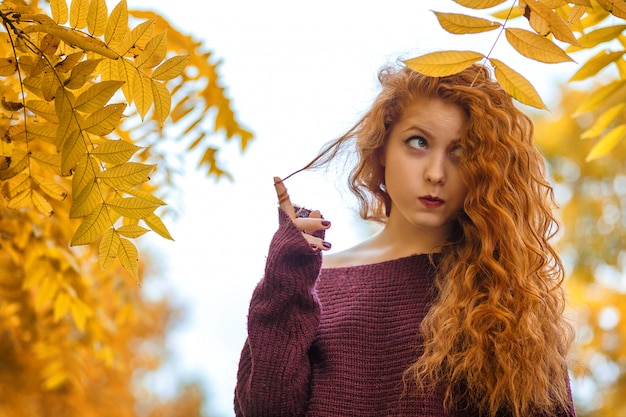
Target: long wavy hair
[{"x": 495, "y": 337}]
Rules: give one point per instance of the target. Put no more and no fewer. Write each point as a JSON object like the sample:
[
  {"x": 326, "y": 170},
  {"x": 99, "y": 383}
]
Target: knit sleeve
[{"x": 274, "y": 369}]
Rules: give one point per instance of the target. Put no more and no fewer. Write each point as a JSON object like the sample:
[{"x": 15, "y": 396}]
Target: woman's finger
[{"x": 283, "y": 197}]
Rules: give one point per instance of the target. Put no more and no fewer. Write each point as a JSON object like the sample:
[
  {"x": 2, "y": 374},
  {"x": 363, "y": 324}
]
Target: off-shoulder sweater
[{"x": 335, "y": 341}]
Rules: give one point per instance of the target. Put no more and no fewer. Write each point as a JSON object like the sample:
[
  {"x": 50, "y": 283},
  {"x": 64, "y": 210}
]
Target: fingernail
[
  {"x": 325, "y": 223},
  {"x": 326, "y": 245}
]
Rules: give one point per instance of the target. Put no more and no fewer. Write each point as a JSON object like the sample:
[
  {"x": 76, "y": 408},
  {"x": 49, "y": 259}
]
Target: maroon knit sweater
[{"x": 334, "y": 342}]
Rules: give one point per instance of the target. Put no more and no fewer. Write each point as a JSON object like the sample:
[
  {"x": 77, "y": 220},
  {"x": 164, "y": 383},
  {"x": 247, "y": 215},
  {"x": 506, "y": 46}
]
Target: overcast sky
[{"x": 299, "y": 74}]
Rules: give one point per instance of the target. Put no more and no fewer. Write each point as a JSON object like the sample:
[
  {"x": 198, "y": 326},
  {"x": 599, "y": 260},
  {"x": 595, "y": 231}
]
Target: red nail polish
[
  {"x": 325, "y": 223},
  {"x": 326, "y": 245}
]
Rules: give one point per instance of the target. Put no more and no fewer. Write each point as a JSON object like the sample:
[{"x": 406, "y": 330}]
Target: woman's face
[{"x": 421, "y": 160}]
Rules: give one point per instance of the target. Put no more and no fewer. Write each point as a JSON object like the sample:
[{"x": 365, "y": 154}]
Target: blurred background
[{"x": 299, "y": 74}]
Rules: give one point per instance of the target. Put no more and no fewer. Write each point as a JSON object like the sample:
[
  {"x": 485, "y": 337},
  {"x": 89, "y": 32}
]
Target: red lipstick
[{"x": 430, "y": 201}]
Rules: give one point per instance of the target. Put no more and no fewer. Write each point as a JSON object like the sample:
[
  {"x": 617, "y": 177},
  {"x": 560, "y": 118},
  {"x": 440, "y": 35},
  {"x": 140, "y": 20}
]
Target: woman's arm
[{"x": 274, "y": 376}]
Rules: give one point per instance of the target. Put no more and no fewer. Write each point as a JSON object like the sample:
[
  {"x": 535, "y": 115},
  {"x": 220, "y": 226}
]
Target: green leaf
[
  {"x": 443, "y": 63},
  {"x": 535, "y": 47},
  {"x": 516, "y": 85}
]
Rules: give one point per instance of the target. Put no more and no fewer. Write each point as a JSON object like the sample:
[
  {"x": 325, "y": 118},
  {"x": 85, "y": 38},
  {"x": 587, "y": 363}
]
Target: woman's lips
[{"x": 430, "y": 201}]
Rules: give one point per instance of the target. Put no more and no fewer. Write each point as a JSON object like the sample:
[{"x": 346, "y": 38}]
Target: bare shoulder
[{"x": 362, "y": 254}]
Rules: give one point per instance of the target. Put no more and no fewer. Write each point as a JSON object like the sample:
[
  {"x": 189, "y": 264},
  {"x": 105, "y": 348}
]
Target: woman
[{"x": 455, "y": 307}]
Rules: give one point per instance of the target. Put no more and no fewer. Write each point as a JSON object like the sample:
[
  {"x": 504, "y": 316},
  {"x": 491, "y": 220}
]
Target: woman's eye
[{"x": 417, "y": 142}]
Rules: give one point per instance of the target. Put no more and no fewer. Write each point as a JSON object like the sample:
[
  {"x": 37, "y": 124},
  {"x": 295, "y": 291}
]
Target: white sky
[{"x": 299, "y": 74}]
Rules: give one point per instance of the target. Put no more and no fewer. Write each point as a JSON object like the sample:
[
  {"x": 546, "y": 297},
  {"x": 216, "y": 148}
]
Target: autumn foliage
[
  {"x": 87, "y": 94},
  {"x": 548, "y": 31}
]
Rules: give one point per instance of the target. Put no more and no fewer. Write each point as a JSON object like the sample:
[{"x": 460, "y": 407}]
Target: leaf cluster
[
  {"x": 86, "y": 94},
  {"x": 555, "y": 29}
]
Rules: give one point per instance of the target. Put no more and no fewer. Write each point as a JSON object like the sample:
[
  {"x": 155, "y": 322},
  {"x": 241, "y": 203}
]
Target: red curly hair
[{"x": 496, "y": 335}]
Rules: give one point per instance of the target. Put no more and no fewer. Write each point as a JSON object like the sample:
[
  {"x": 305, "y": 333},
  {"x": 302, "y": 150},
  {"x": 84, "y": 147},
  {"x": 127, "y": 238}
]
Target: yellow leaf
[
  {"x": 74, "y": 39},
  {"x": 138, "y": 37},
  {"x": 479, "y": 4},
  {"x": 598, "y": 36},
  {"x": 171, "y": 68},
  {"x": 595, "y": 64},
  {"x": 50, "y": 187},
  {"x": 33, "y": 132},
  {"x": 81, "y": 73},
  {"x": 585, "y": 3},
  {"x": 155, "y": 223},
  {"x": 162, "y": 101},
  {"x": 603, "y": 122},
  {"x": 69, "y": 120},
  {"x": 78, "y": 13},
  {"x": 535, "y": 47},
  {"x": 132, "y": 231},
  {"x": 43, "y": 109},
  {"x": 126, "y": 72},
  {"x": 41, "y": 204},
  {"x": 17, "y": 163},
  {"x": 557, "y": 25},
  {"x": 117, "y": 25},
  {"x": 96, "y": 96},
  {"x": 59, "y": 11},
  {"x": 69, "y": 62},
  {"x": 508, "y": 13},
  {"x": 154, "y": 53},
  {"x": 142, "y": 93},
  {"x": 61, "y": 306},
  {"x": 80, "y": 313},
  {"x": 19, "y": 183},
  {"x": 516, "y": 85},
  {"x": 97, "y": 17},
  {"x": 109, "y": 246},
  {"x": 85, "y": 173},
  {"x": 132, "y": 207},
  {"x": 128, "y": 256},
  {"x": 94, "y": 226},
  {"x": 20, "y": 201},
  {"x": 443, "y": 63},
  {"x": 73, "y": 149},
  {"x": 615, "y": 7},
  {"x": 127, "y": 175},
  {"x": 115, "y": 151},
  {"x": 461, "y": 23},
  {"x": 8, "y": 66},
  {"x": 104, "y": 121},
  {"x": 50, "y": 161},
  {"x": 46, "y": 291},
  {"x": 144, "y": 195},
  {"x": 599, "y": 97},
  {"x": 607, "y": 143},
  {"x": 85, "y": 201}
]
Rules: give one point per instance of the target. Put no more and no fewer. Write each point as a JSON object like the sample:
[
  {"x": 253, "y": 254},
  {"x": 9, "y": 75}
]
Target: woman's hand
[{"x": 308, "y": 222}]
